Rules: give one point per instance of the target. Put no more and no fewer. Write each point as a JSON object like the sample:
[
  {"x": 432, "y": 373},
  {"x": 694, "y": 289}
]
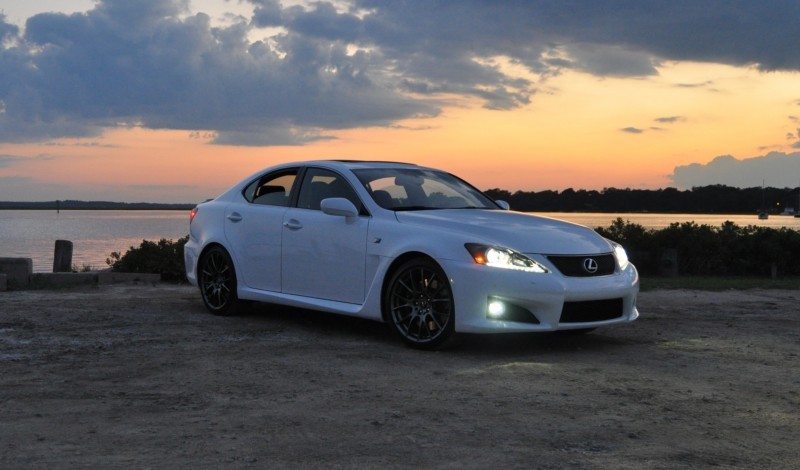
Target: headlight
[
  {"x": 499, "y": 257},
  {"x": 622, "y": 256}
]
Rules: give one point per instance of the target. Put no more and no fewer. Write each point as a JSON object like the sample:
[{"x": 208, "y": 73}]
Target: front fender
[{"x": 391, "y": 239}]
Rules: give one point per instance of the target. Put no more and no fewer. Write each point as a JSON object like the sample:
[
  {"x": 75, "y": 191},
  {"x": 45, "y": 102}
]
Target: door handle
[
  {"x": 234, "y": 217},
  {"x": 293, "y": 224}
]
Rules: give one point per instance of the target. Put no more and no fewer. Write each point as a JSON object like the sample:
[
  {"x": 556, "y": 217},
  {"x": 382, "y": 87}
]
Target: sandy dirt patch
[{"x": 141, "y": 376}]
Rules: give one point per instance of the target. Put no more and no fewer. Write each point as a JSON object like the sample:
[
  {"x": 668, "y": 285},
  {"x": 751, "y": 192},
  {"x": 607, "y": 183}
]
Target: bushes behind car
[
  {"x": 727, "y": 250},
  {"x": 703, "y": 250},
  {"x": 164, "y": 257}
]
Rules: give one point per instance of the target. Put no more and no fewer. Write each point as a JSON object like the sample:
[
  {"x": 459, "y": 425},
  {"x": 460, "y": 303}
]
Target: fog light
[
  {"x": 507, "y": 311},
  {"x": 496, "y": 308}
]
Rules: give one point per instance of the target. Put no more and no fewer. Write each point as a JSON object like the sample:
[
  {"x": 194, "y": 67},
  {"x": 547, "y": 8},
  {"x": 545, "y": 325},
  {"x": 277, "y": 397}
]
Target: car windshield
[{"x": 421, "y": 189}]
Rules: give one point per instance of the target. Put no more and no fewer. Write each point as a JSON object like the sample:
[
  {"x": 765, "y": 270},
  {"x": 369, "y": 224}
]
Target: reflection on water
[
  {"x": 95, "y": 234},
  {"x": 658, "y": 221}
]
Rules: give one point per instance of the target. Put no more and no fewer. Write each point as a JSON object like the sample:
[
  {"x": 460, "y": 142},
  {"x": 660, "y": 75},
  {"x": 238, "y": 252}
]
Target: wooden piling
[
  {"x": 62, "y": 259},
  {"x": 668, "y": 262}
]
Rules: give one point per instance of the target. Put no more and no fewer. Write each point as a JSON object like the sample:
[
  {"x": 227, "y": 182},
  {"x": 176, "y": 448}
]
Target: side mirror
[
  {"x": 503, "y": 204},
  {"x": 338, "y": 206}
]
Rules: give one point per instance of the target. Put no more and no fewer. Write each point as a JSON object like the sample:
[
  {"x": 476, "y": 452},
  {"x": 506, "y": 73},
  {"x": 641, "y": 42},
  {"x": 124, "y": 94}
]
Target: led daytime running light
[
  {"x": 621, "y": 256},
  {"x": 498, "y": 257}
]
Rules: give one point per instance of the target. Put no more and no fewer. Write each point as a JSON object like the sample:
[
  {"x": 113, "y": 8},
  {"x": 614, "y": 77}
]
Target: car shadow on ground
[
  {"x": 315, "y": 323},
  {"x": 514, "y": 344}
]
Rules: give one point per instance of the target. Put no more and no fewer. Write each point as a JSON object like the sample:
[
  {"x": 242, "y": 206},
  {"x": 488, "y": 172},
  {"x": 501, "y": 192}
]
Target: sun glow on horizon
[{"x": 579, "y": 132}]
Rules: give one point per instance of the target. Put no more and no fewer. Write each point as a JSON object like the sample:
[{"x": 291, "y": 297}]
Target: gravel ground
[{"x": 130, "y": 376}]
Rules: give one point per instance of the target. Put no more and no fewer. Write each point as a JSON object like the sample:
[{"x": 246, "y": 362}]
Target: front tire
[
  {"x": 419, "y": 304},
  {"x": 217, "y": 280}
]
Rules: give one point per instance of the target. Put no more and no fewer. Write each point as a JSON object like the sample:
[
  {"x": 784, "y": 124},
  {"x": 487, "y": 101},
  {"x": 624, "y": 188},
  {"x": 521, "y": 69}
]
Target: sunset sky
[{"x": 174, "y": 100}]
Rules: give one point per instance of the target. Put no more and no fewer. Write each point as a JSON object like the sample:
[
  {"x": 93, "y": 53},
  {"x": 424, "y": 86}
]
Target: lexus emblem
[{"x": 590, "y": 265}]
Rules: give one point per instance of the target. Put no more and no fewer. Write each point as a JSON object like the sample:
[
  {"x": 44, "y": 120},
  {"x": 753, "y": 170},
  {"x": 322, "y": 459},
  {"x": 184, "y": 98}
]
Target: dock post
[
  {"x": 62, "y": 259},
  {"x": 668, "y": 262}
]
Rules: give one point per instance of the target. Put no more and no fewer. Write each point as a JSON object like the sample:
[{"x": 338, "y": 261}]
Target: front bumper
[{"x": 542, "y": 295}]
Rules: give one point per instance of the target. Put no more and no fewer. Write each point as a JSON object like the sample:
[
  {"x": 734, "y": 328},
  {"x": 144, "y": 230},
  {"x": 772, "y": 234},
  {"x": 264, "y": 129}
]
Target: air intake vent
[{"x": 591, "y": 310}]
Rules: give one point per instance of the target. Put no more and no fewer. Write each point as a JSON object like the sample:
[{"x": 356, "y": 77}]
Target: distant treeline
[
  {"x": 700, "y": 200},
  {"x": 91, "y": 205},
  {"x": 706, "y": 200}
]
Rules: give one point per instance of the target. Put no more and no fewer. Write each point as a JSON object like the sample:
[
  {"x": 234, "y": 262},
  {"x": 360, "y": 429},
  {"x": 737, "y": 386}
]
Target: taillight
[{"x": 192, "y": 214}]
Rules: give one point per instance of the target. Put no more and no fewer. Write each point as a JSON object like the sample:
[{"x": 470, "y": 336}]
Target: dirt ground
[{"x": 130, "y": 376}]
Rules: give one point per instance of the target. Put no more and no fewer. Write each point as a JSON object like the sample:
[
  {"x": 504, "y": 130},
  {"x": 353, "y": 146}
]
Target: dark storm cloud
[
  {"x": 669, "y": 119},
  {"x": 777, "y": 169},
  {"x": 611, "y": 61},
  {"x": 323, "y": 22},
  {"x": 8, "y": 160},
  {"x": 737, "y": 32},
  {"x": 632, "y": 130},
  {"x": 161, "y": 187},
  {"x": 137, "y": 63},
  {"x": 339, "y": 65},
  {"x": 79, "y": 144},
  {"x": 267, "y": 13},
  {"x": 639, "y": 130},
  {"x": 7, "y": 31}
]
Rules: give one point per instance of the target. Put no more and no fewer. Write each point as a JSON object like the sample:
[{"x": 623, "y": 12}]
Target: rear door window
[{"x": 272, "y": 189}]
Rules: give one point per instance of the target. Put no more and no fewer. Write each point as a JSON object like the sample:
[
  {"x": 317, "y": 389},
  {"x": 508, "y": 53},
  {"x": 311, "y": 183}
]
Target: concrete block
[
  {"x": 3, "y": 282},
  {"x": 49, "y": 280},
  {"x": 17, "y": 270},
  {"x": 111, "y": 277}
]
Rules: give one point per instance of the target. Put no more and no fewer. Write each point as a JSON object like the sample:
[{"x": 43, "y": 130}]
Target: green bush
[
  {"x": 707, "y": 250},
  {"x": 704, "y": 250},
  {"x": 164, "y": 257}
]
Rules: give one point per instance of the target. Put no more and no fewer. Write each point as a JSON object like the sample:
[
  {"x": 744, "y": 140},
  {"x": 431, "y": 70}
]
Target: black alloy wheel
[
  {"x": 419, "y": 304},
  {"x": 217, "y": 280}
]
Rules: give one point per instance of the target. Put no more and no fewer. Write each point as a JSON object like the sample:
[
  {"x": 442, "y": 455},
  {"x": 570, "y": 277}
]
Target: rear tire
[
  {"x": 217, "y": 280},
  {"x": 418, "y": 303}
]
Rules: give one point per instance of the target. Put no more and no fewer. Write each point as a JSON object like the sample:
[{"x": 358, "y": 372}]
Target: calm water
[
  {"x": 658, "y": 221},
  {"x": 95, "y": 234}
]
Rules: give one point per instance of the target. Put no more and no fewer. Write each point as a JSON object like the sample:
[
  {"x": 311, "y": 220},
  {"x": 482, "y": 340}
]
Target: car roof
[
  {"x": 362, "y": 164},
  {"x": 336, "y": 165}
]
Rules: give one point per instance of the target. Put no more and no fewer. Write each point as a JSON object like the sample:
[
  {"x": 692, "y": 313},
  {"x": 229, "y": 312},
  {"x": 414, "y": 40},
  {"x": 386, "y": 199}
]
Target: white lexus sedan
[{"x": 415, "y": 247}]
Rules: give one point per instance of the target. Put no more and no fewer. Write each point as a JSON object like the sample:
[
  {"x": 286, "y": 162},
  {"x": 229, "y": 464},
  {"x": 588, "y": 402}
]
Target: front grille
[
  {"x": 574, "y": 266},
  {"x": 591, "y": 310}
]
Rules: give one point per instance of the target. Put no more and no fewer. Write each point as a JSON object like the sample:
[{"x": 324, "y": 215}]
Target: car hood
[{"x": 522, "y": 232}]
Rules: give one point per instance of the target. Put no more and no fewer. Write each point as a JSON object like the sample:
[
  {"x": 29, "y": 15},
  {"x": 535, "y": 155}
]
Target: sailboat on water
[
  {"x": 762, "y": 214},
  {"x": 797, "y": 211}
]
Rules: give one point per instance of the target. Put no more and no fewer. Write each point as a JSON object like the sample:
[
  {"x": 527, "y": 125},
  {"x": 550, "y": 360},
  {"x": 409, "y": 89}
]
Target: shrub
[
  {"x": 706, "y": 250},
  {"x": 164, "y": 257}
]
